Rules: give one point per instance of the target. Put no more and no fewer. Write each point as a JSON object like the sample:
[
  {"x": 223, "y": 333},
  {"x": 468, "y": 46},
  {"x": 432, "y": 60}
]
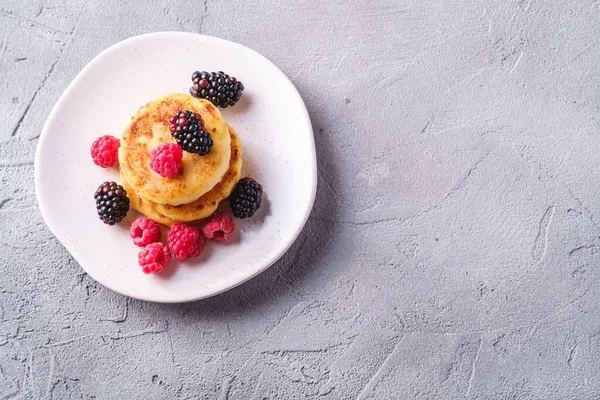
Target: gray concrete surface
[{"x": 454, "y": 248}]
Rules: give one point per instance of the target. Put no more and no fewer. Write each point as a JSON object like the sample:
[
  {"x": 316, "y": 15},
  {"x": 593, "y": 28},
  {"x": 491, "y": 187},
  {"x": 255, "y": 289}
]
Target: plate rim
[{"x": 46, "y": 216}]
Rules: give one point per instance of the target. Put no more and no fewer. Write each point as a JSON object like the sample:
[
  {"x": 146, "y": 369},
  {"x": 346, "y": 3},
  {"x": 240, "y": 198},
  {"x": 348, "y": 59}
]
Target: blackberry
[
  {"x": 188, "y": 130},
  {"x": 245, "y": 198},
  {"x": 112, "y": 202},
  {"x": 216, "y": 87}
]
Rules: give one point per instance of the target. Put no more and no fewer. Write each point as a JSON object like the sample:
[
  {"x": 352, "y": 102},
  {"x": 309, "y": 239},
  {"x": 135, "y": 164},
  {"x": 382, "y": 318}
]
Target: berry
[
  {"x": 166, "y": 159},
  {"x": 144, "y": 231},
  {"x": 245, "y": 198},
  {"x": 185, "y": 241},
  {"x": 216, "y": 87},
  {"x": 112, "y": 202},
  {"x": 188, "y": 130},
  {"x": 154, "y": 257},
  {"x": 220, "y": 227},
  {"x": 105, "y": 151}
]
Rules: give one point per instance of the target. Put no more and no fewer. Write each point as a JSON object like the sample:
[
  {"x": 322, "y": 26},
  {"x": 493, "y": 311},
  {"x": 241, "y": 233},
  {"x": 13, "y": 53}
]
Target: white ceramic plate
[{"x": 278, "y": 146}]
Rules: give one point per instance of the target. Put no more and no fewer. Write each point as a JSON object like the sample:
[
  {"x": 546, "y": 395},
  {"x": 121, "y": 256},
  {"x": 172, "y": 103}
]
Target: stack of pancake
[{"x": 202, "y": 182}]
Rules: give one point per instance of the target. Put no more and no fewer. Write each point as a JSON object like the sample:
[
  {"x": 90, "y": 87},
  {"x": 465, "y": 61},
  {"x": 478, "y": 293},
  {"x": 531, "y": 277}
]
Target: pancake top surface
[{"x": 149, "y": 128}]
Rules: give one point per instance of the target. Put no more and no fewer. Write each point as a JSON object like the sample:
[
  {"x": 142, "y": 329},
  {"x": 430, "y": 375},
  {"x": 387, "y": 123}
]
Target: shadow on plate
[{"x": 287, "y": 274}]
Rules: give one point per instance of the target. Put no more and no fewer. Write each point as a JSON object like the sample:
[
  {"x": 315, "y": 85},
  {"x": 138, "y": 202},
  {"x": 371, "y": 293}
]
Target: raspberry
[
  {"x": 105, "y": 151},
  {"x": 154, "y": 257},
  {"x": 144, "y": 231},
  {"x": 185, "y": 241},
  {"x": 166, "y": 159},
  {"x": 220, "y": 227}
]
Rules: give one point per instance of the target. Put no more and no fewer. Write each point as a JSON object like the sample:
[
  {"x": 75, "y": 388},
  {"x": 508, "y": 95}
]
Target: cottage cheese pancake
[
  {"x": 200, "y": 208},
  {"x": 149, "y": 128}
]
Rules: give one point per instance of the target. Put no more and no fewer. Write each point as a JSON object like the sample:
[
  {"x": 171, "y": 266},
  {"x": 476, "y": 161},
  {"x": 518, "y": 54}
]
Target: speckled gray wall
[{"x": 453, "y": 251}]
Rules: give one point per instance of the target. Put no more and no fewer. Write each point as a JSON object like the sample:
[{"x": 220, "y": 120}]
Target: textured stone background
[{"x": 454, "y": 247}]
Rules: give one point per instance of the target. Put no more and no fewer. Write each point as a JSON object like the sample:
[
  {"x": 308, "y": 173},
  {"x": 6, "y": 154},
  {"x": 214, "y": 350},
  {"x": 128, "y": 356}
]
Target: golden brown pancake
[
  {"x": 149, "y": 128},
  {"x": 201, "y": 208}
]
